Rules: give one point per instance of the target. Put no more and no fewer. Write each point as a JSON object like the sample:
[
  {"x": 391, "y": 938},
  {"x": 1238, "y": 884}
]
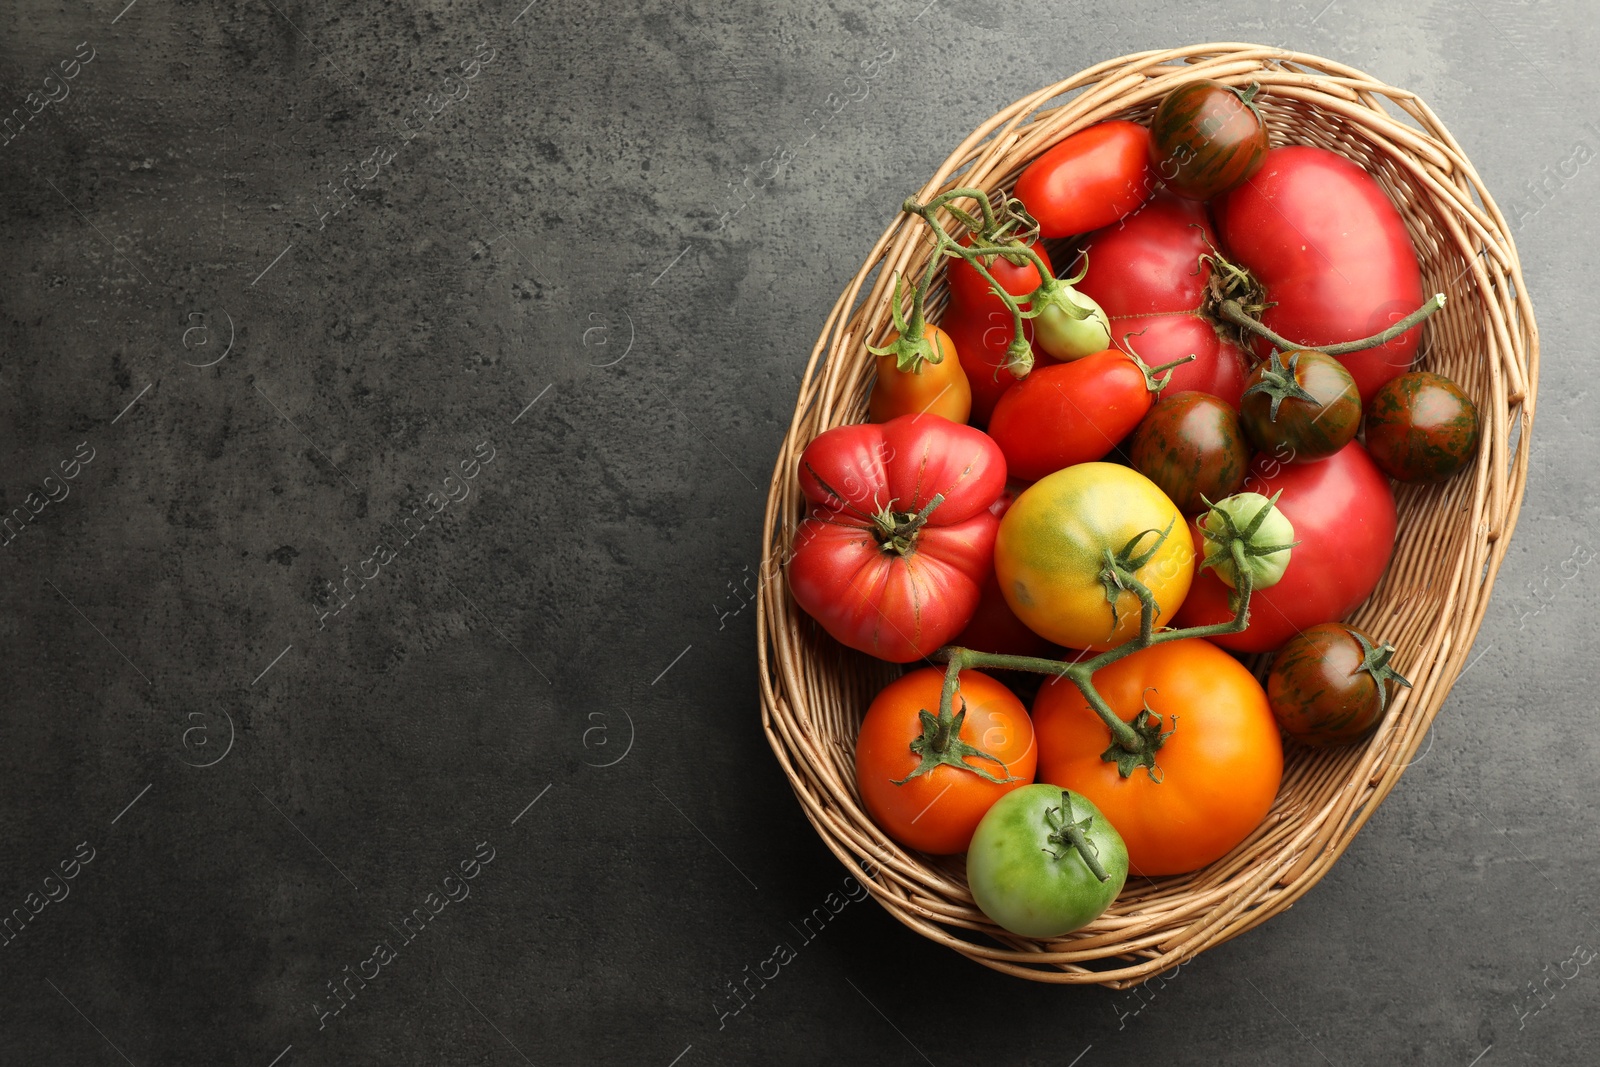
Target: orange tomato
[
  {"x": 933, "y": 388},
  {"x": 938, "y": 811},
  {"x": 1217, "y": 773}
]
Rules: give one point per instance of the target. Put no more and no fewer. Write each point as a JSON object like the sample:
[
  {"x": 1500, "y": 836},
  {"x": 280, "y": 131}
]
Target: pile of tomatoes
[{"x": 1122, "y": 479}]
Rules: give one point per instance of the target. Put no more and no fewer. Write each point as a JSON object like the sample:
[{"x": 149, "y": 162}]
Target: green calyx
[
  {"x": 1117, "y": 574},
  {"x": 1147, "y": 727},
  {"x": 1247, "y": 532},
  {"x": 897, "y": 530},
  {"x": 1155, "y": 378},
  {"x": 1279, "y": 382},
  {"x": 910, "y": 348},
  {"x": 1074, "y": 835},
  {"x": 1375, "y": 661},
  {"x": 940, "y": 744}
]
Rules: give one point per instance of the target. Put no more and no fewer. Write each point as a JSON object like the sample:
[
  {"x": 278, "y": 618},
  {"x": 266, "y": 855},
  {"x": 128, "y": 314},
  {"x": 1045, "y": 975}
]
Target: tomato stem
[
  {"x": 1134, "y": 744},
  {"x": 1074, "y": 834},
  {"x": 1232, "y": 311}
]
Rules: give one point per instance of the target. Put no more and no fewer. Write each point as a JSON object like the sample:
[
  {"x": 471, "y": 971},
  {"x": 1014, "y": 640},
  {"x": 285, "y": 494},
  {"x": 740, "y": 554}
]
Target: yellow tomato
[
  {"x": 933, "y": 388},
  {"x": 1051, "y": 554}
]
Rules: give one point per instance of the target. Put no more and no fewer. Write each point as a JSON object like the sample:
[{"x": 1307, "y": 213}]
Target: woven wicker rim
[{"x": 1429, "y": 604}]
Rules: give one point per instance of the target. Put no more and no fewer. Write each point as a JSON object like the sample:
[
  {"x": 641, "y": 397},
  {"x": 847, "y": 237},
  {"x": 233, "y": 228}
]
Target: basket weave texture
[{"x": 1452, "y": 537}]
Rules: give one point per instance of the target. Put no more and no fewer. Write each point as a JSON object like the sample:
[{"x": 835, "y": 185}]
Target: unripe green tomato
[
  {"x": 1066, "y": 338},
  {"x": 1275, "y": 529},
  {"x": 1027, "y": 879}
]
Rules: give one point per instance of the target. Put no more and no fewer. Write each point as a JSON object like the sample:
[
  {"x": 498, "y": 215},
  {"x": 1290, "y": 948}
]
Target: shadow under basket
[{"x": 1452, "y": 537}]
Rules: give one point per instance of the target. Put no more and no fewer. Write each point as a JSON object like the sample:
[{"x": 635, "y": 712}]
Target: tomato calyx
[
  {"x": 1279, "y": 381},
  {"x": 911, "y": 347},
  {"x": 896, "y": 531},
  {"x": 1147, "y": 726},
  {"x": 1117, "y": 576},
  {"x": 940, "y": 745},
  {"x": 1375, "y": 661},
  {"x": 1073, "y": 835}
]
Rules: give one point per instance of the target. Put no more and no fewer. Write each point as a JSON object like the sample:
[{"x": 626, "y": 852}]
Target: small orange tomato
[
  {"x": 1217, "y": 771},
  {"x": 928, "y": 783},
  {"x": 930, "y": 388}
]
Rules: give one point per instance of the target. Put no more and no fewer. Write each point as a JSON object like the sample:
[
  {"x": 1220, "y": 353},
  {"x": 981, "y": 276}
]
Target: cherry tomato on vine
[
  {"x": 1206, "y": 138},
  {"x": 1421, "y": 427},
  {"x": 927, "y": 388},
  {"x": 1303, "y": 401},
  {"x": 926, "y": 781},
  {"x": 1089, "y": 180},
  {"x": 1217, "y": 770},
  {"x": 981, "y": 342},
  {"x": 1070, "y": 413},
  {"x": 899, "y": 537},
  {"x": 1329, "y": 684},
  {"x": 1190, "y": 445},
  {"x": 970, "y": 291},
  {"x": 1050, "y": 554},
  {"x": 1045, "y": 862}
]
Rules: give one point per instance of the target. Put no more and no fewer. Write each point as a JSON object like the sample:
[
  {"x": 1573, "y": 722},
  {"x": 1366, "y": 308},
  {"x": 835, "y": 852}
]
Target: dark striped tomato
[
  {"x": 1191, "y": 446},
  {"x": 1279, "y": 418},
  {"x": 1327, "y": 685},
  {"x": 1421, "y": 428},
  {"x": 1206, "y": 138}
]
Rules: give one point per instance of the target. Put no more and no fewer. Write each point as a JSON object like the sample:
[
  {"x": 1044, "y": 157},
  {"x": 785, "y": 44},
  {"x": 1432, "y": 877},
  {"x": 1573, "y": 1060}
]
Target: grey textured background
[{"x": 507, "y": 254}]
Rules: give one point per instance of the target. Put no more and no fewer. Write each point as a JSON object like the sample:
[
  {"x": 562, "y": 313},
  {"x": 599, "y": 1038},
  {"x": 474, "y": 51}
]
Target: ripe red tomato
[
  {"x": 1069, "y": 413},
  {"x": 1333, "y": 254},
  {"x": 1146, "y": 273},
  {"x": 1218, "y": 771},
  {"x": 981, "y": 341},
  {"x": 1344, "y": 520},
  {"x": 1089, "y": 180},
  {"x": 1206, "y": 138},
  {"x": 937, "y": 810},
  {"x": 970, "y": 291},
  {"x": 877, "y": 562}
]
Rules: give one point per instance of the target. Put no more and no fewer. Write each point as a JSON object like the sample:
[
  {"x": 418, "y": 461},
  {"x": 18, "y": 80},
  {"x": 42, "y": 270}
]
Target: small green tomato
[
  {"x": 1070, "y": 324},
  {"x": 1044, "y": 862},
  {"x": 1263, "y": 534}
]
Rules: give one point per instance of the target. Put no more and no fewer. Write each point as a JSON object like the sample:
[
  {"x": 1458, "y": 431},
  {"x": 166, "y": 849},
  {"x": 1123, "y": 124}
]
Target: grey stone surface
[{"x": 581, "y": 597}]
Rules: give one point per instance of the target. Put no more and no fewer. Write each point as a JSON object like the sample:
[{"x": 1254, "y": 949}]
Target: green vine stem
[
  {"x": 1234, "y": 312},
  {"x": 1135, "y": 743}
]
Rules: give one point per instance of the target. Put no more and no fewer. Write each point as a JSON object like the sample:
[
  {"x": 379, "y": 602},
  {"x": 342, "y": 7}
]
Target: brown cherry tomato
[
  {"x": 1421, "y": 428},
  {"x": 1302, "y": 405},
  {"x": 1191, "y": 445},
  {"x": 1206, "y": 138},
  {"x": 931, "y": 389},
  {"x": 1329, "y": 684}
]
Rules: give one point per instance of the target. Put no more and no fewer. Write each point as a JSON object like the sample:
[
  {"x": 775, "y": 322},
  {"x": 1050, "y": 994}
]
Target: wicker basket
[{"x": 1429, "y": 604}]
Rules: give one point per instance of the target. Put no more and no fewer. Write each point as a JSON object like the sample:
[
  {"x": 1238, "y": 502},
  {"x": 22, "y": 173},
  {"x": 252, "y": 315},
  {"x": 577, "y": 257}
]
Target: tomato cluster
[{"x": 1122, "y": 479}]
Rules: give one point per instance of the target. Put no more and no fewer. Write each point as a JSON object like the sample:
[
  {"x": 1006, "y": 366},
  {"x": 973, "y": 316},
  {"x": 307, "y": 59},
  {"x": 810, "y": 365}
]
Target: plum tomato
[
  {"x": 1091, "y": 179},
  {"x": 1191, "y": 445},
  {"x": 1421, "y": 427},
  {"x": 925, "y": 387},
  {"x": 1217, "y": 767},
  {"x": 1206, "y": 138},
  {"x": 981, "y": 342},
  {"x": 1070, "y": 413},
  {"x": 1303, "y": 405},
  {"x": 1329, "y": 684},
  {"x": 1050, "y": 554},
  {"x": 1045, "y": 862},
  {"x": 971, "y": 292},
  {"x": 926, "y": 781}
]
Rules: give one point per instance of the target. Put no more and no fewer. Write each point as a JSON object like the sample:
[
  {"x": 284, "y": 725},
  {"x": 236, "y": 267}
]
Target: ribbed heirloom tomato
[
  {"x": 927, "y": 782},
  {"x": 1051, "y": 554},
  {"x": 1218, "y": 769}
]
